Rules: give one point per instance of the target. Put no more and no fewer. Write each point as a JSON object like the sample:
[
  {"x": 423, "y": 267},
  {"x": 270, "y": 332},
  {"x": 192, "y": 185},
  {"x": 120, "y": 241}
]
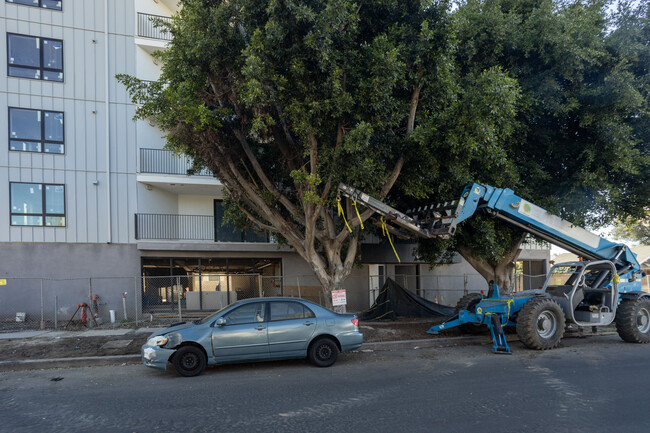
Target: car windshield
[{"x": 213, "y": 315}]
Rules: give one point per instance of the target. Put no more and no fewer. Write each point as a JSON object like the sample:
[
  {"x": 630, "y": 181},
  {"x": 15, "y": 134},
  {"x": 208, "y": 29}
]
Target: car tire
[
  {"x": 189, "y": 361},
  {"x": 323, "y": 352}
]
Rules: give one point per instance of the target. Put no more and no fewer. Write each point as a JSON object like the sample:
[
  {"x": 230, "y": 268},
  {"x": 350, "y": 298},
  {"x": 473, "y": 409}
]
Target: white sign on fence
[{"x": 338, "y": 298}]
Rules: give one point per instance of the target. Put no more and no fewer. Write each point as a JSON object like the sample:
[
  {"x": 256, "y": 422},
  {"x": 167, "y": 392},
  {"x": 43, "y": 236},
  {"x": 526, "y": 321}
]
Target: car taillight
[{"x": 355, "y": 321}]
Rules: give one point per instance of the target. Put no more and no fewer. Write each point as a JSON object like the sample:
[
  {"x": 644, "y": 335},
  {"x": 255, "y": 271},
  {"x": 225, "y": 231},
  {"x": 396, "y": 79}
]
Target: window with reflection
[
  {"x": 37, "y": 204},
  {"x": 34, "y": 57},
  {"x": 45, "y": 4},
  {"x": 35, "y": 130}
]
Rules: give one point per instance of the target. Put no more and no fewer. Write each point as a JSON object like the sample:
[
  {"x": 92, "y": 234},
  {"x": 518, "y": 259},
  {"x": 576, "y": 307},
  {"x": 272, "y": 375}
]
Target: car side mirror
[{"x": 220, "y": 321}]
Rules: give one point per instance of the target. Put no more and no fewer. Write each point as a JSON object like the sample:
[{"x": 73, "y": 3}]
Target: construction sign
[{"x": 338, "y": 298}]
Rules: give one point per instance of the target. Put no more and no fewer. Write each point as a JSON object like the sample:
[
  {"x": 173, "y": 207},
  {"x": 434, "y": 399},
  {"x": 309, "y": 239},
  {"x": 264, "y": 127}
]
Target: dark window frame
[
  {"x": 41, "y": 68},
  {"x": 229, "y": 230},
  {"x": 42, "y": 140},
  {"x": 44, "y": 214},
  {"x": 40, "y": 5}
]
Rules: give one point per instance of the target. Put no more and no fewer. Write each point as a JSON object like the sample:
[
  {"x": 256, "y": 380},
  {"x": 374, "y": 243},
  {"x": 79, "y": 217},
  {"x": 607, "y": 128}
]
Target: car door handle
[
  {"x": 261, "y": 328},
  {"x": 308, "y": 323}
]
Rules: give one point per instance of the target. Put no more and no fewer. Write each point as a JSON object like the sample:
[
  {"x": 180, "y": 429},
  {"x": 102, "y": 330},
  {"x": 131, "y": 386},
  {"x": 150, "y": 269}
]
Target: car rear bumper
[
  {"x": 156, "y": 357},
  {"x": 350, "y": 340}
]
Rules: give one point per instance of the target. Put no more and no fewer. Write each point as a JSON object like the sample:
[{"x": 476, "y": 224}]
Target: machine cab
[{"x": 585, "y": 290}]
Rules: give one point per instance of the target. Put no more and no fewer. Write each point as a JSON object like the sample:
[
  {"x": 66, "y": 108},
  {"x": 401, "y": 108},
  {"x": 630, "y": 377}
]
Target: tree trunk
[{"x": 501, "y": 272}]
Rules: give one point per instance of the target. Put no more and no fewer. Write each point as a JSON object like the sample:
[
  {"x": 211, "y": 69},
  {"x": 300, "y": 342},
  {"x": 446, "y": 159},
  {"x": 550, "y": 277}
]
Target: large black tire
[
  {"x": 633, "y": 320},
  {"x": 189, "y": 361},
  {"x": 540, "y": 324},
  {"x": 469, "y": 302},
  {"x": 323, "y": 352}
]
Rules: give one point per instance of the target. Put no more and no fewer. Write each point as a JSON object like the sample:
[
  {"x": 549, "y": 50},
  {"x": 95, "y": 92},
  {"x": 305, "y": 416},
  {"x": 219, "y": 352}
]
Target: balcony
[
  {"x": 174, "y": 227},
  {"x": 165, "y": 170},
  {"x": 161, "y": 161},
  {"x": 148, "y": 28},
  {"x": 150, "y": 36},
  {"x": 193, "y": 228}
]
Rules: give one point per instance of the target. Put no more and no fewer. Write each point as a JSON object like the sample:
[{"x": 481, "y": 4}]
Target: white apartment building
[{"x": 86, "y": 192}]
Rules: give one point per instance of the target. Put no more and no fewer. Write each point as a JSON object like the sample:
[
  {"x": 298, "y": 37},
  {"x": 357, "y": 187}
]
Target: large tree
[
  {"x": 580, "y": 141},
  {"x": 284, "y": 99}
]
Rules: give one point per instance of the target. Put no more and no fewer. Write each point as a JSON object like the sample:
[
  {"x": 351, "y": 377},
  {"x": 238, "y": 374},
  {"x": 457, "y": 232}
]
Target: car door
[
  {"x": 244, "y": 336},
  {"x": 291, "y": 325}
]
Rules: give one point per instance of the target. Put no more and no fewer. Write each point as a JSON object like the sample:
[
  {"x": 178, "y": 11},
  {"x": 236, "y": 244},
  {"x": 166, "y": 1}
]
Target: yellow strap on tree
[
  {"x": 341, "y": 213},
  {"x": 385, "y": 232},
  {"x": 354, "y": 203}
]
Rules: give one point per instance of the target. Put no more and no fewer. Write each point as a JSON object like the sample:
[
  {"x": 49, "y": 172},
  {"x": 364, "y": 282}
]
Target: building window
[
  {"x": 45, "y": 4},
  {"x": 37, "y": 204},
  {"x": 35, "y": 130},
  {"x": 34, "y": 57},
  {"x": 228, "y": 232}
]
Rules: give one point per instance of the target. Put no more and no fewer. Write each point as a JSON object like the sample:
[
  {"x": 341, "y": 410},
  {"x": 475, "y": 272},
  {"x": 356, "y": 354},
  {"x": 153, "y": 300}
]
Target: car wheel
[
  {"x": 323, "y": 352},
  {"x": 189, "y": 361}
]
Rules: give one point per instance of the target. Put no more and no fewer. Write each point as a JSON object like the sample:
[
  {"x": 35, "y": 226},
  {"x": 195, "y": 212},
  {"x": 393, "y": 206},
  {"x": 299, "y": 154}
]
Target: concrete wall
[{"x": 68, "y": 272}]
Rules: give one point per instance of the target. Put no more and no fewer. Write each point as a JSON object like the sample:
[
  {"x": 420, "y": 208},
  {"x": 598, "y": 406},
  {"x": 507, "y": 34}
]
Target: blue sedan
[{"x": 254, "y": 329}]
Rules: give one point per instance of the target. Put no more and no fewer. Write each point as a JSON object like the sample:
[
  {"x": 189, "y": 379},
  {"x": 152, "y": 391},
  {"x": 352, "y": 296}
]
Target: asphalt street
[{"x": 597, "y": 384}]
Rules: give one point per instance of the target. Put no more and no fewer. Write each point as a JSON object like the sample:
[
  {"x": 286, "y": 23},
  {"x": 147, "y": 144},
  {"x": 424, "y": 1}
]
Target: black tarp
[{"x": 393, "y": 302}]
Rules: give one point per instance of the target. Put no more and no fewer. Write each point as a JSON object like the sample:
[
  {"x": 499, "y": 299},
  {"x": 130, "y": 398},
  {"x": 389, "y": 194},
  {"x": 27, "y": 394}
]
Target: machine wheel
[
  {"x": 468, "y": 302},
  {"x": 189, "y": 361},
  {"x": 540, "y": 324},
  {"x": 633, "y": 320},
  {"x": 323, "y": 352}
]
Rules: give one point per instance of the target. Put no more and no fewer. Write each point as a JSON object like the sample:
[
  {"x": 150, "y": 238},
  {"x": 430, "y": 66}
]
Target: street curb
[
  {"x": 90, "y": 361},
  {"x": 81, "y": 361}
]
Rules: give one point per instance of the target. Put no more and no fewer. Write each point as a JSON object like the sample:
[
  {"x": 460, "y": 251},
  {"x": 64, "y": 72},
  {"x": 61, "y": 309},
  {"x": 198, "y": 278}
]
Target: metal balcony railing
[
  {"x": 174, "y": 227},
  {"x": 148, "y": 29},
  {"x": 161, "y": 161}
]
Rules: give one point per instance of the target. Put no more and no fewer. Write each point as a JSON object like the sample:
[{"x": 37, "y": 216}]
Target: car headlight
[
  {"x": 158, "y": 340},
  {"x": 173, "y": 340}
]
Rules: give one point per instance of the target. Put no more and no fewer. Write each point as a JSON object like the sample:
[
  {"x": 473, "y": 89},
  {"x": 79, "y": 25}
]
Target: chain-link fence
[{"x": 33, "y": 303}]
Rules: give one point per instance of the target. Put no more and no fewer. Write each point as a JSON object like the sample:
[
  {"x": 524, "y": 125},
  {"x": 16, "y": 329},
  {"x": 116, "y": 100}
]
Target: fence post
[
  {"x": 135, "y": 298},
  {"x": 465, "y": 283},
  {"x": 298, "y": 281},
  {"x": 56, "y": 312},
  {"x": 42, "y": 312},
  {"x": 178, "y": 288}
]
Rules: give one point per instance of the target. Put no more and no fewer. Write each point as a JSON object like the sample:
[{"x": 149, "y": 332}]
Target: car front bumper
[{"x": 156, "y": 357}]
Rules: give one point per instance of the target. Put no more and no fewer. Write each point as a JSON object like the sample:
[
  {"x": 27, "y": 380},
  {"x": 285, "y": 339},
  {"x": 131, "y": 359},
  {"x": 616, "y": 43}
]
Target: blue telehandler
[{"x": 601, "y": 288}]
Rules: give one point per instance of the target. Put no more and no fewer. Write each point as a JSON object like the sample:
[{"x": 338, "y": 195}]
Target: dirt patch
[
  {"x": 40, "y": 348},
  {"x": 129, "y": 344},
  {"x": 402, "y": 329}
]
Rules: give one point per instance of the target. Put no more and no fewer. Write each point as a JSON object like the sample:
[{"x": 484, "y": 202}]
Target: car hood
[{"x": 175, "y": 327}]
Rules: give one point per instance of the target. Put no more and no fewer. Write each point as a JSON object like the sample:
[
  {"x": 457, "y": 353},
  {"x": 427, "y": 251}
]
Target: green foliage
[
  {"x": 284, "y": 99},
  {"x": 634, "y": 229},
  {"x": 578, "y": 145}
]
